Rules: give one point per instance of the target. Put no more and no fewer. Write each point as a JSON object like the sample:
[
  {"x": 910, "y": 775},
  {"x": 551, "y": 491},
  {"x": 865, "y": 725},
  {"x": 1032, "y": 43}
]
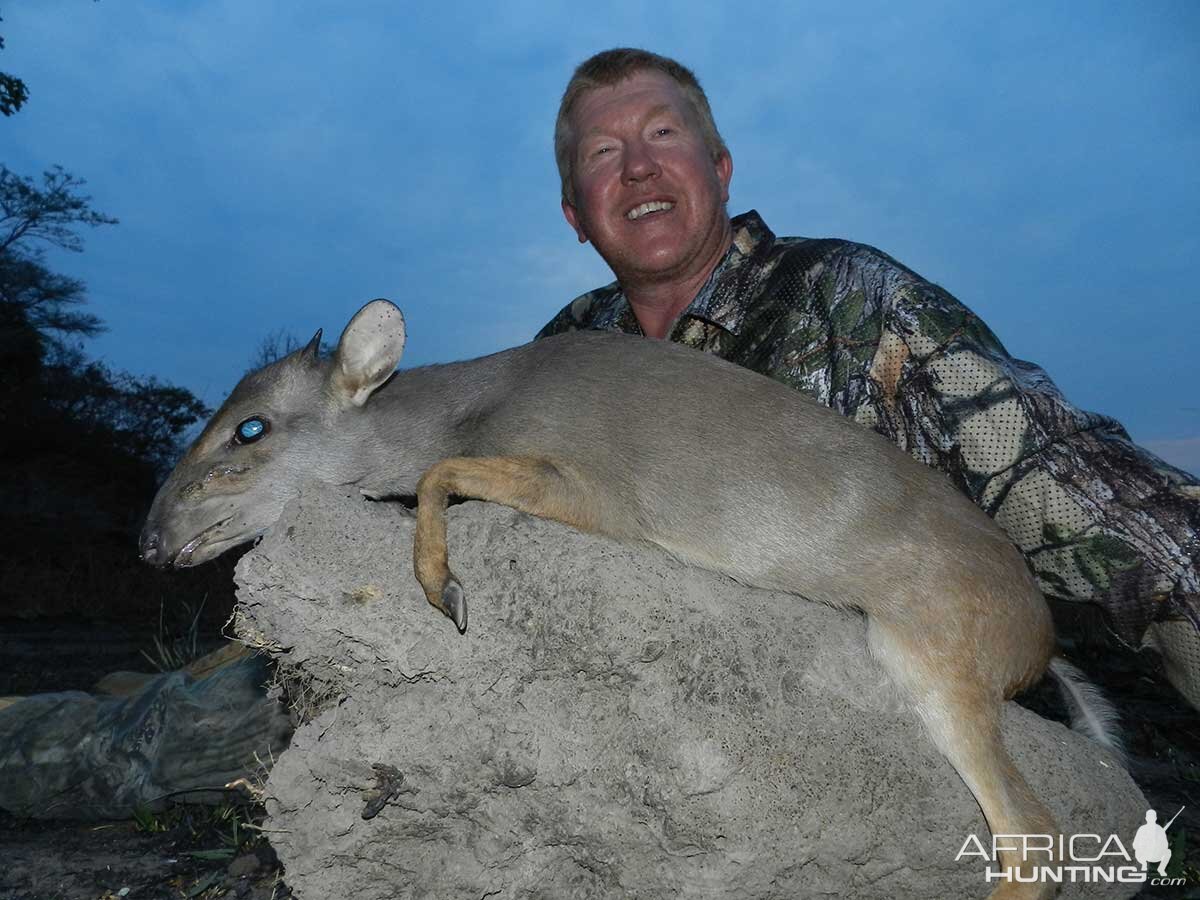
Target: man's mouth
[{"x": 651, "y": 206}]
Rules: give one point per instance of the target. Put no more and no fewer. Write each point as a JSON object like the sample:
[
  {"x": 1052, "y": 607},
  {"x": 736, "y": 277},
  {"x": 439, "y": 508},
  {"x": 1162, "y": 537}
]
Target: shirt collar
[{"x": 718, "y": 302}]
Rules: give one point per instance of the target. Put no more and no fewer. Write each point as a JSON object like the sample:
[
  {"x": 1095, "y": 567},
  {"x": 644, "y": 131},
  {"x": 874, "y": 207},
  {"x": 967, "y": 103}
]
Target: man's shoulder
[
  {"x": 589, "y": 310},
  {"x": 766, "y": 251},
  {"x": 834, "y": 250},
  {"x": 837, "y": 269}
]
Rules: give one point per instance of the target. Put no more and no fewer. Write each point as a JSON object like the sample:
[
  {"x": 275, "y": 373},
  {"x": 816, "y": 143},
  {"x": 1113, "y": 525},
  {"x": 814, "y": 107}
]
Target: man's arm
[{"x": 1098, "y": 517}]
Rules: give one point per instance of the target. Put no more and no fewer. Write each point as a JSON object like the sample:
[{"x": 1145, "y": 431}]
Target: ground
[
  {"x": 88, "y": 861},
  {"x": 184, "y": 852},
  {"x": 198, "y": 852}
]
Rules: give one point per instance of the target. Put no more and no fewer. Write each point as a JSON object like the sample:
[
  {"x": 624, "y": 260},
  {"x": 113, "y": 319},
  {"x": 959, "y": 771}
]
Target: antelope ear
[{"x": 368, "y": 351}]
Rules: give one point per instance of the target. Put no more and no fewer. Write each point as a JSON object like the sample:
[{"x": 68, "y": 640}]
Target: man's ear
[
  {"x": 572, "y": 216},
  {"x": 724, "y": 167}
]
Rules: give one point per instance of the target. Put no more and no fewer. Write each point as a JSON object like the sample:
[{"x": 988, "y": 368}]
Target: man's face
[{"x": 636, "y": 143}]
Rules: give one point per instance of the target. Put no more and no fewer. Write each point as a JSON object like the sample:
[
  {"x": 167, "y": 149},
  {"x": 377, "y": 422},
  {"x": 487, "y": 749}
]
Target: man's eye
[
  {"x": 660, "y": 132},
  {"x": 600, "y": 150}
]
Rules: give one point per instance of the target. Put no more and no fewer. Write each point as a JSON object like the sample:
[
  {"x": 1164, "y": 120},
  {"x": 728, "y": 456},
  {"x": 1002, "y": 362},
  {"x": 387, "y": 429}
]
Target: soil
[
  {"x": 78, "y": 861},
  {"x": 184, "y": 852},
  {"x": 196, "y": 852}
]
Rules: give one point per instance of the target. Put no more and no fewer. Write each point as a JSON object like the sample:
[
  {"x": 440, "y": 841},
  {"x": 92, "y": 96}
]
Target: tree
[
  {"x": 50, "y": 388},
  {"x": 13, "y": 92},
  {"x": 37, "y": 306},
  {"x": 277, "y": 345},
  {"x": 82, "y": 447},
  {"x": 140, "y": 418},
  {"x": 32, "y": 218},
  {"x": 50, "y": 214}
]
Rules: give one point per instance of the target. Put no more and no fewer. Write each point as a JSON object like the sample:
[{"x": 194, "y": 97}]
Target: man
[{"x": 645, "y": 179}]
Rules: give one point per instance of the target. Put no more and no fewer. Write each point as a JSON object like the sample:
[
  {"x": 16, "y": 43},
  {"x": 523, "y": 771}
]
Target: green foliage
[
  {"x": 13, "y": 92},
  {"x": 51, "y": 213},
  {"x": 234, "y": 824},
  {"x": 147, "y": 821},
  {"x": 205, "y": 883},
  {"x": 32, "y": 218},
  {"x": 174, "y": 651}
]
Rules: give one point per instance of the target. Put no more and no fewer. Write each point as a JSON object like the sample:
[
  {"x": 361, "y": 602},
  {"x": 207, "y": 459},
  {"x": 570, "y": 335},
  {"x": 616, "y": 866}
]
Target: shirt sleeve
[{"x": 1098, "y": 517}]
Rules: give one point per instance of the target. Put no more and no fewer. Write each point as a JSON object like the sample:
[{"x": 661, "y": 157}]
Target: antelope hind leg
[
  {"x": 961, "y": 713},
  {"x": 530, "y": 484}
]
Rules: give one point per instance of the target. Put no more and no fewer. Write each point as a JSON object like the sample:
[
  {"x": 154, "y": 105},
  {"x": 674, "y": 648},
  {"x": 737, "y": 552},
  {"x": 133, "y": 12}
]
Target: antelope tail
[{"x": 1091, "y": 713}]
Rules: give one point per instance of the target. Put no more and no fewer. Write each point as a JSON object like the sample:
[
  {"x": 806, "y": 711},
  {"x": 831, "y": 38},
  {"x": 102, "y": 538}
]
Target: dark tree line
[
  {"x": 49, "y": 384},
  {"x": 82, "y": 447}
]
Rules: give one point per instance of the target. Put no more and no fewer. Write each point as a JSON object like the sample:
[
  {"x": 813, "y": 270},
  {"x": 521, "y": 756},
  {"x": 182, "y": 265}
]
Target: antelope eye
[{"x": 250, "y": 430}]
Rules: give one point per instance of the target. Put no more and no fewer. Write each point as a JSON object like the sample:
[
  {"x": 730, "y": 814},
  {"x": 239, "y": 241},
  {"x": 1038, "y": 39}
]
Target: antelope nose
[{"x": 148, "y": 547}]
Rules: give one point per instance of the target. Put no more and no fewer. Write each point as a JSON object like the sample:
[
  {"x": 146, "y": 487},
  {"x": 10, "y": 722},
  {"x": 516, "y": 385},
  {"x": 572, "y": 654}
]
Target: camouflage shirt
[{"x": 1098, "y": 517}]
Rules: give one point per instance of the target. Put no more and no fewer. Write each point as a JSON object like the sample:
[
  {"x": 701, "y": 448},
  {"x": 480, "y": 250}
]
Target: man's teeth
[{"x": 653, "y": 206}]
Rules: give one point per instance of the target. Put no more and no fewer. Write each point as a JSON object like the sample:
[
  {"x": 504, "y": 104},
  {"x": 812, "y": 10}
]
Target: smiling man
[
  {"x": 645, "y": 179},
  {"x": 648, "y": 185}
]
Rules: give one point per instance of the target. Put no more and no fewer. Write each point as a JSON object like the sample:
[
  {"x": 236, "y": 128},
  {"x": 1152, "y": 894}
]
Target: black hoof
[{"x": 454, "y": 603}]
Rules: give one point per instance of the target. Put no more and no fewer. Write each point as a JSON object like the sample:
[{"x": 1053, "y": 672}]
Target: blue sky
[{"x": 275, "y": 164}]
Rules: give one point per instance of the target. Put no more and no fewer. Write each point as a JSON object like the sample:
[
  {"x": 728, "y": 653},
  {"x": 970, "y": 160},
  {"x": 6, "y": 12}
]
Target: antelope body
[{"x": 648, "y": 441}]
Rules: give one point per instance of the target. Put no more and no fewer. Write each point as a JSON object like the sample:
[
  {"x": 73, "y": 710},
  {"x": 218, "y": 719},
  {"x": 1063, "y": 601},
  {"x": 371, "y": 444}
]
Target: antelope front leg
[
  {"x": 430, "y": 560},
  {"x": 533, "y": 485}
]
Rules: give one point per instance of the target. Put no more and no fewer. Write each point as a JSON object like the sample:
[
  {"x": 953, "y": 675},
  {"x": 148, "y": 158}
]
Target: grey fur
[{"x": 722, "y": 468}]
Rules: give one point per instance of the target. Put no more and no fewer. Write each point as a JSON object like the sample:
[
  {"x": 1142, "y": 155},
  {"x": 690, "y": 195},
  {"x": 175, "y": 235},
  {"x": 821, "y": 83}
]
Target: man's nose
[{"x": 640, "y": 163}]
